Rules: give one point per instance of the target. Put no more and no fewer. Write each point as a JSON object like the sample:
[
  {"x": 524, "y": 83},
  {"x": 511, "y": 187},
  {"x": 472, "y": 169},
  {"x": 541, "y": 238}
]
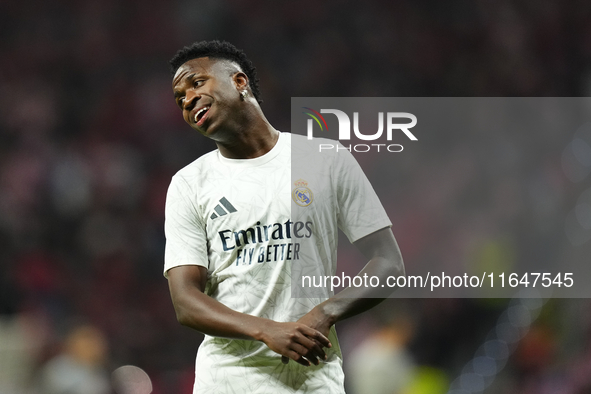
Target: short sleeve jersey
[{"x": 250, "y": 222}]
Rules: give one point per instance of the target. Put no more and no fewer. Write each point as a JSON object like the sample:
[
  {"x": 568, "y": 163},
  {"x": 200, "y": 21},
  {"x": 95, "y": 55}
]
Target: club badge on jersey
[{"x": 302, "y": 195}]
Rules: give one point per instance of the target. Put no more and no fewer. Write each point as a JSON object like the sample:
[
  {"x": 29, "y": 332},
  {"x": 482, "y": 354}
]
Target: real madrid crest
[{"x": 301, "y": 195}]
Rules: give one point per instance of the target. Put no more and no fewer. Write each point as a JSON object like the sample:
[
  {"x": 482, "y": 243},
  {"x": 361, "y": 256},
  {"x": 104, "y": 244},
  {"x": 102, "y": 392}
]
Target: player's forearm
[
  {"x": 354, "y": 300},
  {"x": 296, "y": 341},
  {"x": 196, "y": 310}
]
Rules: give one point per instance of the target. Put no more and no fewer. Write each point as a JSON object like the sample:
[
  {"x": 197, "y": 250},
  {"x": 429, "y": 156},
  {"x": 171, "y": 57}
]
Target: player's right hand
[{"x": 296, "y": 341}]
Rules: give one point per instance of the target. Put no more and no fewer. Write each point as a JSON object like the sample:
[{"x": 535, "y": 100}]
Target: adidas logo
[{"x": 220, "y": 210}]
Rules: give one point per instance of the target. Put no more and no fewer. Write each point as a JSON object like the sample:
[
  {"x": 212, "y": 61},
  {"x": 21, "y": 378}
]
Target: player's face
[{"x": 206, "y": 90}]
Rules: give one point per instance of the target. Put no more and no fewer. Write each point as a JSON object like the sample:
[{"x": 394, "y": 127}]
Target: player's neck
[{"x": 252, "y": 140}]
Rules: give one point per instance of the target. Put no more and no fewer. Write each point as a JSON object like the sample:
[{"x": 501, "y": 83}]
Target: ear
[{"x": 240, "y": 80}]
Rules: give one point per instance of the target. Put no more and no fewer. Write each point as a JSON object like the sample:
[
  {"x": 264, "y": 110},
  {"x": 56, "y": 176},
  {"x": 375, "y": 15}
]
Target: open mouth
[{"x": 201, "y": 115}]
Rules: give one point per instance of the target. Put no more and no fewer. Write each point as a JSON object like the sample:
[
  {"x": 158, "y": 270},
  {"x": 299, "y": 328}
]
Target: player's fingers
[
  {"x": 298, "y": 359},
  {"x": 314, "y": 349},
  {"x": 320, "y": 350},
  {"x": 305, "y": 352},
  {"x": 299, "y": 349},
  {"x": 284, "y": 359},
  {"x": 317, "y": 335}
]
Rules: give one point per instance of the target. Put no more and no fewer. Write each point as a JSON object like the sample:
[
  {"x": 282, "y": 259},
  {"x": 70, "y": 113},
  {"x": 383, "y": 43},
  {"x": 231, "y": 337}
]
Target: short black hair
[{"x": 218, "y": 50}]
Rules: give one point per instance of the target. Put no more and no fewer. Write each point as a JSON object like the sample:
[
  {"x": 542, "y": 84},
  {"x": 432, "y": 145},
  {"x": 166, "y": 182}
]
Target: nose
[{"x": 191, "y": 98}]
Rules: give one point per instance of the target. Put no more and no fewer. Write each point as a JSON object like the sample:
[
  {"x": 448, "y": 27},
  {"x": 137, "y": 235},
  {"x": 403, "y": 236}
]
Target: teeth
[{"x": 199, "y": 112}]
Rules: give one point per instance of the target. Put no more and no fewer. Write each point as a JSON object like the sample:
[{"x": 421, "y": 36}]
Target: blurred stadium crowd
[{"x": 90, "y": 137}]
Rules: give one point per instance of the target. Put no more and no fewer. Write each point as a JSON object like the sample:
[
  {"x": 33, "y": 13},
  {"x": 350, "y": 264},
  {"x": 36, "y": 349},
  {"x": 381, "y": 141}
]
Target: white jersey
[{"x": 253, "y": 223}]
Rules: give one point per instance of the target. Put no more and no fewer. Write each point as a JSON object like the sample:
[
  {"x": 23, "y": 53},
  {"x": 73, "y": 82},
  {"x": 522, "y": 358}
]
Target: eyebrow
[{"x": 177, "y": 93}]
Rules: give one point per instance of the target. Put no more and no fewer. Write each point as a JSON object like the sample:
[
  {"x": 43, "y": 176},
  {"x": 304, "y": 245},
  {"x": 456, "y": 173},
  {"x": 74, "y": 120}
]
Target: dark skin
[
  {"x": 241, "y": 131},
  {"x": 238, "y": 127}
]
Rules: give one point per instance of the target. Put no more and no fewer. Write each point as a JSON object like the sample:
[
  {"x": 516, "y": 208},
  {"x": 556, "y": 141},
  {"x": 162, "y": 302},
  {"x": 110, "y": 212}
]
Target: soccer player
[{"x": 234, "y": 242}]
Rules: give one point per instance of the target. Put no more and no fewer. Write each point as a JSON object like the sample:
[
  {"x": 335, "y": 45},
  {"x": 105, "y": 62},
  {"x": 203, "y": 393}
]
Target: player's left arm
[
  {"x": 385, "y": 260},
  {"x": 363, "y": 219}
]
